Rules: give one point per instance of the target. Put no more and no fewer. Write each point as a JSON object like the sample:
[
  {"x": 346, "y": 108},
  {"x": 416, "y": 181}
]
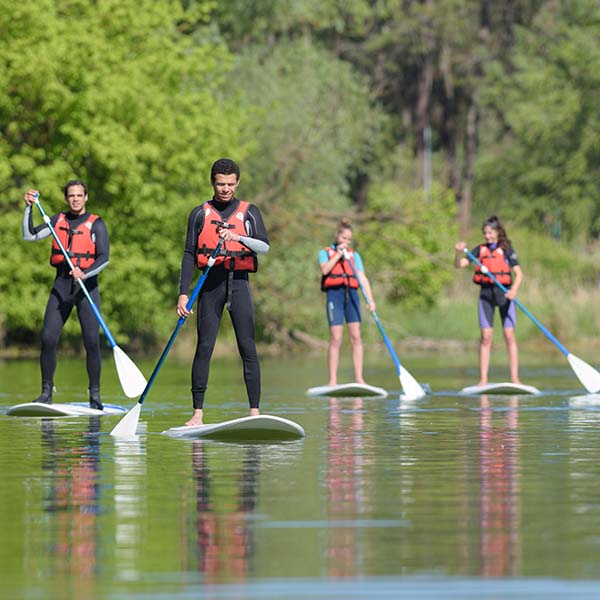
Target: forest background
[{"x": 417, "y": 119}]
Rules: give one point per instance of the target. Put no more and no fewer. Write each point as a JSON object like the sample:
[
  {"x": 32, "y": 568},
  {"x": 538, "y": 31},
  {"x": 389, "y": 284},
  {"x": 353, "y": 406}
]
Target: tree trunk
[{"x": 465, "y": 197}]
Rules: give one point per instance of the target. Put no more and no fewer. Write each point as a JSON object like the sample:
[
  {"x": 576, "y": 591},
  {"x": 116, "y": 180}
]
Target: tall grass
[{"x": 561, "y": 288}]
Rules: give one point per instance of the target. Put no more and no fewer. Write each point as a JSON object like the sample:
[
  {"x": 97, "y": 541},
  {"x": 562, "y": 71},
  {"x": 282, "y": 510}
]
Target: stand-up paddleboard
[
  {"x": 75, "y": 409},
  {"x": 347, "y": 390},
  {"x": 262, "y": 427},
  {"x": 500, "y": 388}
]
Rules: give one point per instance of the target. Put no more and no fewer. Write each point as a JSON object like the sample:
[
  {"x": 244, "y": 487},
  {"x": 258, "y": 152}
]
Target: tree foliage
[
  {"x": 545, "y": 169},
  {"x": 112, "y": 93}
]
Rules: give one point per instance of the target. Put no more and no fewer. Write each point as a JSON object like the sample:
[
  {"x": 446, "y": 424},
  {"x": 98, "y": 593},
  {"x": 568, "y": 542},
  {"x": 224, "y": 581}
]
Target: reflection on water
[
  {"x": 73, "y": 497},
  {"x": 448, "y": 493},
  {"x": 499, "y": 495},
  {"x": 223, "y": 538},
  {"x": 130, "y": 502},
  {"x": 345, "y": 484}
]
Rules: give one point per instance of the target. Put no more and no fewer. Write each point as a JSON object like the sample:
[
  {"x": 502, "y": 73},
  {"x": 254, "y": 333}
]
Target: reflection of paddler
[
  {"x": 344, "y": 470},
  {"x": 224, "y": 539},
  {"x": 499, "y": 472},
  {"x": 73, "y": 499}
]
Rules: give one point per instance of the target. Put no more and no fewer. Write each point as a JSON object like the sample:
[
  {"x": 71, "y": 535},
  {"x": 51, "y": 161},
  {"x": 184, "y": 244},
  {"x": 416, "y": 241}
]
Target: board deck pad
[
  {"x": 261, "y": 427},
  {"x": 347, "y": 390},
  {"x": 500, "y": 388},
  {"x": 74, "y": 409}
]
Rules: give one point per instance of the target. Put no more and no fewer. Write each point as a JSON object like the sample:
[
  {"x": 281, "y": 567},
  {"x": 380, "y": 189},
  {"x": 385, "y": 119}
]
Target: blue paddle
[
  {"x": 412, "y": 389},
  {"x": 589, "y": 377},
  {"x": 127, "y": 426},
  {"x": 131, "y": 378}
]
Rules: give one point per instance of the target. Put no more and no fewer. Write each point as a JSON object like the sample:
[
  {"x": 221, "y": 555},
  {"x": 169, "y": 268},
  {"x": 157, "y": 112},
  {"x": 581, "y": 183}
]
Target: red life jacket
[
  {"x": 234, "y": 256},
  {"x": 342, "y": 273},
  {"x": 495, "y": 260},
  {"x": 78, "y": 242}
]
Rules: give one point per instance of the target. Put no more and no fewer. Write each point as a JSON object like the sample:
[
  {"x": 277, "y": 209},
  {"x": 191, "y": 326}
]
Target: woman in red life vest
[
  {"x": 241, "y": 226},
  {"x": 500, "y": 258},
  {"x": 85, "y": 238},
  {"x": 343, "y": 303}
]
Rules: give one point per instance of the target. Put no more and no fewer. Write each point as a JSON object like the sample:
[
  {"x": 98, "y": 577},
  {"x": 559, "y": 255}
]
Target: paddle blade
[
  {"x": 412, "y": 389},
  {"x": 131, "y": 378},
  {"x": 127, "y": 426},
  {"x": 589, "y": 377}
]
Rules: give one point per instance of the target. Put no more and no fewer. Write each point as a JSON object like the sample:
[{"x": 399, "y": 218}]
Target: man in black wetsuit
[
  {"x": 86, "y": 239},
  {"x": 241, "y": 226}
]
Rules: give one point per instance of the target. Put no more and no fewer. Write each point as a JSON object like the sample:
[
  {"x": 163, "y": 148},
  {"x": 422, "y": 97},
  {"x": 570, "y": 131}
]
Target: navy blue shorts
[{"x": 343, "y": 303}]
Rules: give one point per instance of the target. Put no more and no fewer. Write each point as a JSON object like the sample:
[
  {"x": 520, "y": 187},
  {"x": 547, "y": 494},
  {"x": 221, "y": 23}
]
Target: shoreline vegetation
[{"x": 561, "y": 288}]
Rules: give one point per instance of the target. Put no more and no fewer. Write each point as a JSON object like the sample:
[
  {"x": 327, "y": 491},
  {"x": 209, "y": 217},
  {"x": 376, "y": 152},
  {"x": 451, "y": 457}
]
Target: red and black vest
[
  {"x": 497, "y": 264},
  {"x": 234, "y": 256},
  {"x": 342, "y": 273},
  {"x": 78, "y": 242}
]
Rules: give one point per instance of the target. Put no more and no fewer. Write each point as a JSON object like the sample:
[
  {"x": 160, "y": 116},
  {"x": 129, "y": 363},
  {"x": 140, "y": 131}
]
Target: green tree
[
  {"x": 113, "y": 93},
  {"x": 543, "y": 163}
]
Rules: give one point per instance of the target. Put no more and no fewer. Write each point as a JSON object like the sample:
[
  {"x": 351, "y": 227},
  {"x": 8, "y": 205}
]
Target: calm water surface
[{"x": 447, "y": 497}]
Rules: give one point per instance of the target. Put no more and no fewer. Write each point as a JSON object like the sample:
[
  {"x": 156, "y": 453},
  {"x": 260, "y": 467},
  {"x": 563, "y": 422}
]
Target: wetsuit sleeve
[
  {"x": 323, "y": 256},
  {"x": 188, "y": 262},
  {"x": 31, "y": 233},
  {"x": 257, "y": 239},
  {"x": 255, "y": 225},
  {"x": 475, "y": 253},
  {"x": 100, "y": 235},
  {"x": 513, "y": 259}
]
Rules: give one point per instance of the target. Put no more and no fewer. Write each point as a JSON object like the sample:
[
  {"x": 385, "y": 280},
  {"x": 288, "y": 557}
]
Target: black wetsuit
[
  {"x": 218, "y": 291},
  {"x": 66, "y": 294}
]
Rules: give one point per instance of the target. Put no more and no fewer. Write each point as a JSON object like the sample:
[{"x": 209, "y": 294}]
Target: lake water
[{"x": 446, "y": 497}]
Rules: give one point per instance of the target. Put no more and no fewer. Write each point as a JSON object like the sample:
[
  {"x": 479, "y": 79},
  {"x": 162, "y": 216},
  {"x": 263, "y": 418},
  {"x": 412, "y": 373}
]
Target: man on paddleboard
[
  {"x": 241, "y": 226},
  {"x": 85, "y": 238}
]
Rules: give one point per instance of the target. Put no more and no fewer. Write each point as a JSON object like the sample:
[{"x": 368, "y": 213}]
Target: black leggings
[
  {"x": 66, "y": 294},
  {"x": 211, "y": 303}
]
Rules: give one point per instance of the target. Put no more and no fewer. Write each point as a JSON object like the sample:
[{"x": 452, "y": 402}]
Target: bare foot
[
  {"x": 196, "y": 419},
  {"x": 254, "y": 412},
  {"x": 361, "y": 381},
  {"x": 332, "y": 383},
  {"x": 482, "y": 383}
]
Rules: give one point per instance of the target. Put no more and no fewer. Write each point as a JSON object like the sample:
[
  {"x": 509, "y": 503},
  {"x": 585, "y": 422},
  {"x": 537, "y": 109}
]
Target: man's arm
[
  {"x": 188, "y": 261},
  {"x": 31, "y": 233},
  {"x": 100, "y": 234}
]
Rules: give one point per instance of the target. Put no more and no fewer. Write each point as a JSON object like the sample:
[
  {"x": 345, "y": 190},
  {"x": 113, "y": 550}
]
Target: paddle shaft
[
  {"x": 543, "y": 329},
  {"x": 46, "y": 218},
  {"x": 386, "y": 340},
  {"x": 181, "y": 321}
]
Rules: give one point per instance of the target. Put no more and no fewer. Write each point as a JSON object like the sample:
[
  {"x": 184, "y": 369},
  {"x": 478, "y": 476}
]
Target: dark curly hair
[
  {"x": 494, "y": 223},
  {"x": 224, "y": 166}
]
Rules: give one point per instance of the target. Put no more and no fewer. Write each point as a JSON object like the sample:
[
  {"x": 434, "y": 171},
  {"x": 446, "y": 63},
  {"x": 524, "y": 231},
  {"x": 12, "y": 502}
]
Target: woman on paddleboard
[
  {"x": 500, "y": 259},
  {"x": 240, "y": 225},
  {"x": 85, "y": 238},
  {"x": 342, "y": 301}
]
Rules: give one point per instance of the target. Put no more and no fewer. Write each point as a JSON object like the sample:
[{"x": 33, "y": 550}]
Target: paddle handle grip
[
  {"x": 46, "y": 219},
  {"x": 541, "y": 327}
]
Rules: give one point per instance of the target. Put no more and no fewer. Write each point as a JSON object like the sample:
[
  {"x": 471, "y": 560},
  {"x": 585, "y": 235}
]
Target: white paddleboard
[
  {"x": 500, "y": 388},
  {"x": 347, "y": 390},
  {"x": 75, "y": 409},
  {"x": 262, "y": 427}
]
